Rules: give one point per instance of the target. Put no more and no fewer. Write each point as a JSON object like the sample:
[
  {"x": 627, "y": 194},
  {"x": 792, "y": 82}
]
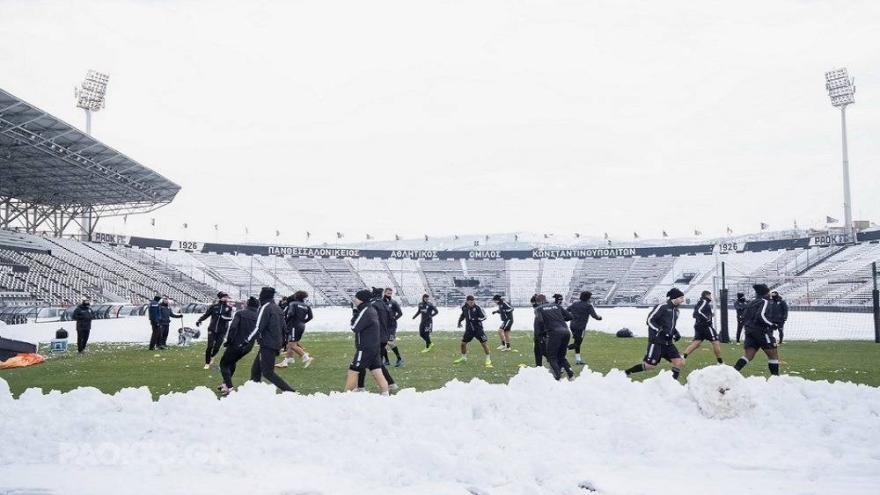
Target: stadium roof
[{"x": 46, "y": 161}]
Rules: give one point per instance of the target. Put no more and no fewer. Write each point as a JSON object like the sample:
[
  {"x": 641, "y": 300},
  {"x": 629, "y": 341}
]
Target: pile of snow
[
  {"x": 533, "y": 436},
  {"x": 719, "y": 391},
  {"x": 801, "y": 325}
]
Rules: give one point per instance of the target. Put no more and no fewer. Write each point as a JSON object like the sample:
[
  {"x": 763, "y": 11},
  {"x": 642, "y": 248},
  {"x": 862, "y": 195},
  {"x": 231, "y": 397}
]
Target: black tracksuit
[
  {"x": 382, "y": 317},
  {"x": 155, "y": 329},
  {"x": 537, "y": 336},
  {"x": 269, "y": 332},
  {"x": 662, "y": 332},
  {"x": 581, "y": 311},
  {"x": 758, "y": 325},
  {"x": 739, "y": 305},
  {"x": 83, "y": 315},
  {"x": 704, "y": 329},
  {"x": 365, "y": 326},
  {"x": 165, "y": 315},
  {"x": 554, "y": 331},
  {"x": 779, "y": 315},
  {"x": 759, "y": 332},
  {"x": 427, "y": 311},
  {"x": 220, "y": 314},
  {"x": 394, "y": 314},
  {"x": 297, "y": 315},
  {"x": 237, "y": 344}
]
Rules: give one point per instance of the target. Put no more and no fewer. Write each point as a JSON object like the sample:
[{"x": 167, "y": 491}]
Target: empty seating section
[
  {"x": 523, "y": 275},
  {"x": 63, "y": 272},
  {"x": 556, "y": 276},
  {"x": 375, "y": 273},
  {"x": 599, "y": 276},
  {"x": 844, "y": 273},
  {"x": 410, "y": 280},
  {"x": 325, "y": 284},
  {"x": 642, "y": 276},
  {"x": 489, "y": 277},
  {"x": 446, "y": 280}
]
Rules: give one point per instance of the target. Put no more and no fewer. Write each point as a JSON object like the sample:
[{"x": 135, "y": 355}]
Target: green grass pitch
[{"x": 111, "y": 367}]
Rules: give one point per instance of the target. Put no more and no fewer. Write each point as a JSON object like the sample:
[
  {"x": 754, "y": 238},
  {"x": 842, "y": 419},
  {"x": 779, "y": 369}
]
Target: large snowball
[{"x": 719, "y": 391}]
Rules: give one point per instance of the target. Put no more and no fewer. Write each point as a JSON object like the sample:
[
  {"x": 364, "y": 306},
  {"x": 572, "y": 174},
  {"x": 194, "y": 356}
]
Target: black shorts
[
  {"x": 705, "y": 333},
  {"x": 426, "y": 326},
  {"x": 298, "y": 331},
  {"x": 365, "y": 359},
  {"x": 759, "y": 339},
  {"x": 473, "y": 331},
  {"x": 578, "y": 332},
  {"x": 506, "y": 325},
  {"x": 665, "y": 351}
]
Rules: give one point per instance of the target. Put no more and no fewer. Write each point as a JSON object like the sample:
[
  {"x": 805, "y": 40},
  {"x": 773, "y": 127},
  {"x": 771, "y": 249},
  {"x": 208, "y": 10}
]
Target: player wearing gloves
[
  {"x": 704, "y": 329},
  {"x": 661, "y": 335}
]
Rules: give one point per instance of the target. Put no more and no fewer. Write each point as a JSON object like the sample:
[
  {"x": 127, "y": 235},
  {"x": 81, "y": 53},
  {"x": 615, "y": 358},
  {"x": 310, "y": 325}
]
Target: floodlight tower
[
  {"x": 842, "y": 90},
  {"x": 90, "y": 95}
]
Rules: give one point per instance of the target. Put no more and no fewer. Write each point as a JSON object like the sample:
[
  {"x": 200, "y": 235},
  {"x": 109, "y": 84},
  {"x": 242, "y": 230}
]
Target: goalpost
[{"x": 843, "y": 307}]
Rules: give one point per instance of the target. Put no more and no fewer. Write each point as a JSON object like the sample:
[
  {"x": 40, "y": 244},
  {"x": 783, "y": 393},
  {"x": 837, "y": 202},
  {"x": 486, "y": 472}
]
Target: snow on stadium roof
[{"x": 46, "y": 161}]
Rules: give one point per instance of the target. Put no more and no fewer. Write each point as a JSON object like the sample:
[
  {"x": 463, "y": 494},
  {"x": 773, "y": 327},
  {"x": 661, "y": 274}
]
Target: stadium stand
[{"x": 39, "y": 270}]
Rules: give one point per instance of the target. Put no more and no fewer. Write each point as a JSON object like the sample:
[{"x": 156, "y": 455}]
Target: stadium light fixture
[
  {"x": 842, "y": 90},
  {"x": 90, "y": 95}
]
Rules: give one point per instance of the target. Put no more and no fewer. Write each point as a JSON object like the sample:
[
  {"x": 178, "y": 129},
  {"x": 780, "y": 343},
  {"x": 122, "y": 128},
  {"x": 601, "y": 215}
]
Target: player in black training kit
[
  {"x": 759, "y": 331},
  {"x": 394, "y": 314},
  {"x": 661, "y": 334},
  {"x": 581, "y": 311},
  {"x": 237, "y": 344},
  {"x": 778, "y": 313},
  {"x": 505, "y": 310},
  {"x": 554, "y": 331},
  {"x": 704, "y": 329},
  {"x": 220, "y": 314},
  {"x": 296, "y": 315},
  {"x": 537, "y": 332},
  {"x": 365, "y": 325},
  {"x": 474, "y": 316},
  {"x": 739, "y": 306},
  {"x": 382, "y": 313},
  {"x": 427, "y": 311}
]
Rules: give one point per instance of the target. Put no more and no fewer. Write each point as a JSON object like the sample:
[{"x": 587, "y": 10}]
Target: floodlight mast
[
  {"x": 90, "y": 95},
  {"x": 842, "y": 91}
]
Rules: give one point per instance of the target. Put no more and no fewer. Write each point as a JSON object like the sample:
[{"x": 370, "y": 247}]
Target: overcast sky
[{"x": 443, "y": 117}]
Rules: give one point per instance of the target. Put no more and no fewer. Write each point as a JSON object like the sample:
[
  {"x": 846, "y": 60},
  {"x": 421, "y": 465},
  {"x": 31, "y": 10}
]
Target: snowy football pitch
[{"x": 510, "y": 431}]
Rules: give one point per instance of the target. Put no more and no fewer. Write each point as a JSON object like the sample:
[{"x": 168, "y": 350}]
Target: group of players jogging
[{"x": 557, "y": 329}]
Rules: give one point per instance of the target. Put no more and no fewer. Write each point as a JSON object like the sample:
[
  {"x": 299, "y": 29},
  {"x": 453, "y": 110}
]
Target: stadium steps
[{"x": 824, "y": 255}]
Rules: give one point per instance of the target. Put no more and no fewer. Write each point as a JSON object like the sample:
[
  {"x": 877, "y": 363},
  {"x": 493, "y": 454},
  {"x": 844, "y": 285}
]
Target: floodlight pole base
[{"x": 88, "y": 121}]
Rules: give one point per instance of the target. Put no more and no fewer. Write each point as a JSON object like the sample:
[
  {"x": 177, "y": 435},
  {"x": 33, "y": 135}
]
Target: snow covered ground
[
  {"x": 533, "y": 436},
  {"x": 801, "y": 325}
]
